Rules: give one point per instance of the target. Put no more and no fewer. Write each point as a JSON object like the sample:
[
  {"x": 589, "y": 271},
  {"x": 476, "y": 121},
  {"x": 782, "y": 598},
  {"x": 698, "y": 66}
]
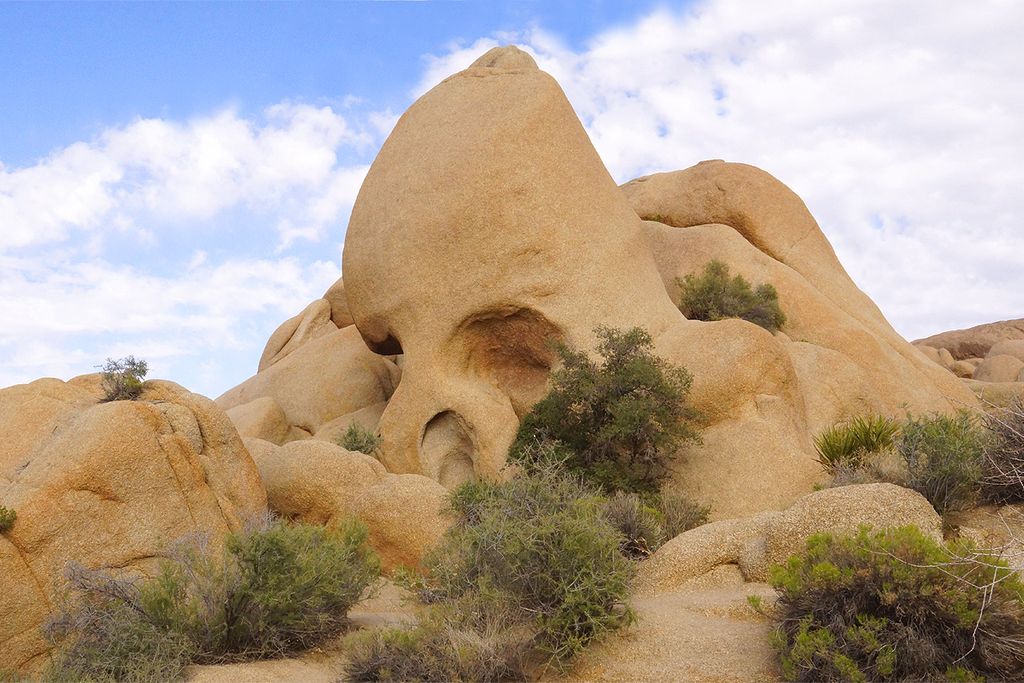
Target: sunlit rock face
[{"x": 488, "y": 227}]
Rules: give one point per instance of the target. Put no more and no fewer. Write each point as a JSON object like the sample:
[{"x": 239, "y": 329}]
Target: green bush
[
  {"x": 7, "y": 517},
  {"x": 639, "y": 525},
  {"x": 849, "y": 445},
  {"x": 1002, "y": 475},
  {"x": 895, "y": 606},
  {"x": 359, "y": 439},
  {"x": 529, "y": 571},
  {"x": 679, "y": 513},
  {"x": 944, "y": 456},
  {"x": 618, "y": 422},
  {"x": 437, "y": 650},
  {"x": 714, "y": 295},
  {"x": 123, "y": 379},
  {"x": 646, "y": 523},
  {"x": 277, "y": 589},
  {"x": 539, "y": 548}
]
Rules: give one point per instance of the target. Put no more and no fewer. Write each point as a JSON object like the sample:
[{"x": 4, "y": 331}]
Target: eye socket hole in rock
[
  {"x": 513, "y": 348},
  {"x": 447, "y": 450}
]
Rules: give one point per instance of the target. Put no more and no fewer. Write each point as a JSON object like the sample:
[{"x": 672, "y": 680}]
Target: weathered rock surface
[
  {"x": 703, "y": 631},
  {"x": 963, "y": 369},
  {"x": 977, "y": 340},
  {"x": 999, "y": 368},
  {"x": 326, "y": 377},
  {"x": 1009, "y": 347},
  {"x": 998, "y": 529},
  {"x": 490, "y": 190},
  {"x": 756, "y": 543},
  {"x": 313, "y": 322},
  {"x": 996, "y": 393},
  {"x": 335, "y": 295},
  {"x": 107, "y": 485},
  {"x": 322, "y": 483}
]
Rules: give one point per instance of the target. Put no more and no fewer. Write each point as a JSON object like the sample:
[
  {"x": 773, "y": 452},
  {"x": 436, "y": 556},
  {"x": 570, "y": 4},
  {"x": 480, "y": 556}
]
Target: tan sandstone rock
[
  {"x": 325, "y": 378},
  {"x": 996, "y": 393},
  {"x": 263, "y": 419},
  {"x": 322, "y": 483},
  {"x": 1001, "y": 368},
  {"x": 313, "y": 322},
  {"x": 756, "y": 543},
  {"x": 490, "y": 190},
  {"x": 1008, "y": 347},
  {"x": 963, "y": 369},
  {"x": 703, "y": 631},
  {"x": 108, "y": 485},
  {"x": 335, "y": 295},
  {"x": 978, "y": 340}
]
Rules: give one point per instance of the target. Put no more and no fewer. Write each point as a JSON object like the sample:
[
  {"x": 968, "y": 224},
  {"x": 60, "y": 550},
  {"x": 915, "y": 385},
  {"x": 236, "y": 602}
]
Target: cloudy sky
[{"x": 175, "y": 179}]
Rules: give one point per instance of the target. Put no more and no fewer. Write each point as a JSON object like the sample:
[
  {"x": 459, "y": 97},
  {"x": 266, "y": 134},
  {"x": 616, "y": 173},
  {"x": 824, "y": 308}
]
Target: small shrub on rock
[
  {"x": 619, "y": 422},
  {"x": 123, "y": 379},
  {"x": 1002, "y": 471},
  {"x": 895, "y": 605},
  {"x": 7, "y": 517},
  {"x": 361, "y": 440},
  {"x": 944, "y": 456},
  {"x": 714, "y": 295},
  {"x": 277, "y": 589}
]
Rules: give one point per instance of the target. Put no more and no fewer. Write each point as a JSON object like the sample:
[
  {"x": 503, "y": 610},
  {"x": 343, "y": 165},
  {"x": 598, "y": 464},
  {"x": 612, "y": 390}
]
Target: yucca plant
[{"x": 849, "y": 444}]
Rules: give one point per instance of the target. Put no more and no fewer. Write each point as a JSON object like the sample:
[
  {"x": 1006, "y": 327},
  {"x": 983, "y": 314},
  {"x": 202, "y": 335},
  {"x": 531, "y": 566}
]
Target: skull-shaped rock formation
[{"x": 488, "y": 226}]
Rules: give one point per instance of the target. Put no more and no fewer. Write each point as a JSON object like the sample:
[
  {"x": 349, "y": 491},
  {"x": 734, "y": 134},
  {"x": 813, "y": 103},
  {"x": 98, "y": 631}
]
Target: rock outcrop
[
  {"x": 327, "y": 377},
  {"x": 107, "y": 485},
  {"x": 322, "y": 483},
  {"x": 756, "y": 543},
  {"x": 975, "y": 341},
  {"x": 488, "y": 226}
]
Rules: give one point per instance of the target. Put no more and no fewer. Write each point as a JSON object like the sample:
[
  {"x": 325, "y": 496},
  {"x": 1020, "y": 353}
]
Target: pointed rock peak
[{"x": 505, "y": 57}]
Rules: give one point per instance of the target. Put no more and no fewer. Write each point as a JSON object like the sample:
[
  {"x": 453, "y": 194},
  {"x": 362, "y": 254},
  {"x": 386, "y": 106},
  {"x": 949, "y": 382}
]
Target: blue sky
[
  {"x": 72, "y": 69},
  {"x": 175, "y": 179}
]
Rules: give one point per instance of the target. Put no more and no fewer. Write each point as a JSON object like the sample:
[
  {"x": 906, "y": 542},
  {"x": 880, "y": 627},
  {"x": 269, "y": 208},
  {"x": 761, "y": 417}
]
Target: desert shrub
[
  {"x": 714, "y": 295},
  {"x": 438, "y": 650},
  {"x": 358, "y": 438},
  {"x": 618, "y": 422},
  {"x": 107, "y": 638},
  {"x": 529, "y": 571},
  {"x": 944, "y": 456},
  {"x": 639, "y": 525},
  {"x": 123, "y": 379},
  {"x": 645, "y": 523},
  {"x": 679, "y": 513},
  {"x": 1002, "y": 471},
  {"x": 272, "y": 590},
  {"x": 7, "y": 517},
  {"x": 848, "y": 445},
  {"x": 539, "y": 549},
  {"x": 895, "y": 605}
]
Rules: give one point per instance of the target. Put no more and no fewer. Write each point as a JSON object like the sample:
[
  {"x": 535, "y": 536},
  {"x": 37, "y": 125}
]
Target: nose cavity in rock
[
  {"x": 512, "y": 348},
  {"x": 447, "y": 449}
]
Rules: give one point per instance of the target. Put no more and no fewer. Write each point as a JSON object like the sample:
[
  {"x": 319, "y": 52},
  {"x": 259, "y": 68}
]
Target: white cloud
[
  {"x": 158, "y": 170},
  {"x": 188, "y": 242},
  {"x": 214, "y": 210},
  {"x": 900, "y": 124},
  {"x": 63, "y": 319}
]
